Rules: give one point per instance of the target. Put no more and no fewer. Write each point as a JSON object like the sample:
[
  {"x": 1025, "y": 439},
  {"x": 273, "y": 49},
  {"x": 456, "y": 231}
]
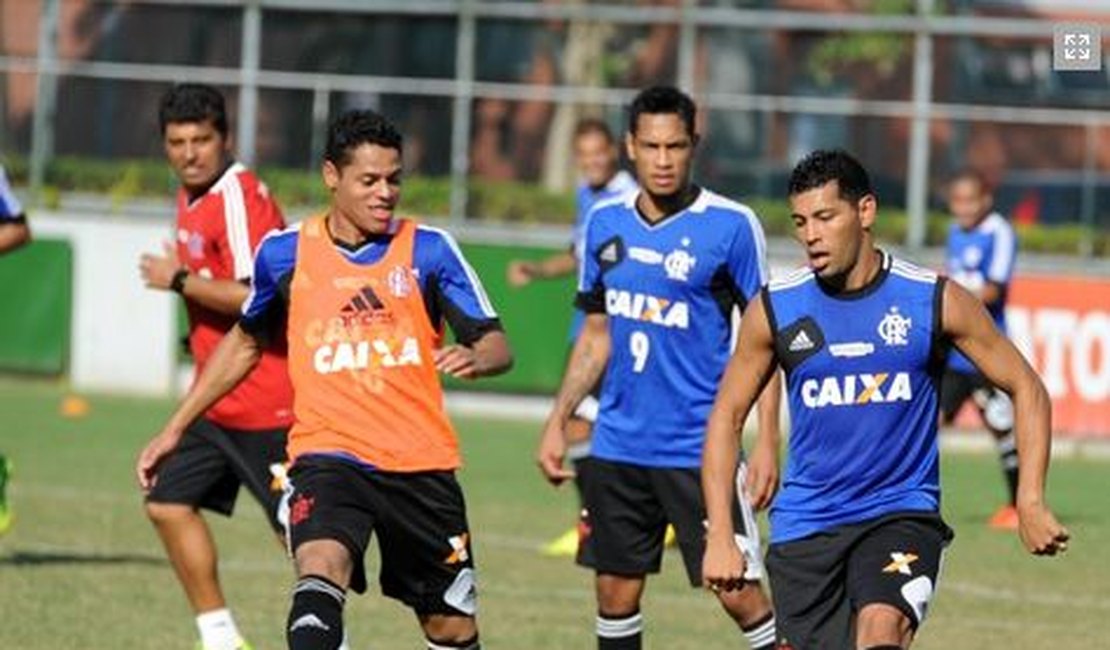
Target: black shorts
[
  {"x": 627, "y": 509},
  {"x": 994, "y": 405},
  {"x": 419, "y": 517},
  {"x": 820, "y": 582},
  {"x": 211, "y": 462}
]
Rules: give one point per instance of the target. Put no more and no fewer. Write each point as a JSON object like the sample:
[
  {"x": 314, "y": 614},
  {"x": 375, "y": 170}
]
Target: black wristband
[{"x": 177, "y": 284}]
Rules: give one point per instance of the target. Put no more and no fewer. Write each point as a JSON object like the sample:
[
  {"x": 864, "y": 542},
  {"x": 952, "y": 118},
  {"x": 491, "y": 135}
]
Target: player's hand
[
  {"x": 551, "y": 454},
  {"x": 158, "y": 270},
  {"x": 152, "y": 455},
  {"x": 722, "y": 568},
  {"x": 519, "y": 273},
  {"x": 457, "y": 361},
  {"x": 763, "y": 476},
  {"x": 1040, "y": 532}
]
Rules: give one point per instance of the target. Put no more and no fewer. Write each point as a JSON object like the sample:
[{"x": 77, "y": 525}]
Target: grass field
[{"x": 82, "y": 568}]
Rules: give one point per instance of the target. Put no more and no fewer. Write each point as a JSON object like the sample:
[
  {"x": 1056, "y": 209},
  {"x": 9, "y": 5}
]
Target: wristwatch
[{"x": 177, "y": 284}]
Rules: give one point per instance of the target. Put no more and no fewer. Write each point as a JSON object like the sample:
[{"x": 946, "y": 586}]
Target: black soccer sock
[
  {"x": 316, "y": 617},
  {"x": 624, "y": 633},
  {"x": 469, "y": 644},
  {"x": 1007, "y": 455},
  {"x": 761, "y": 634}
]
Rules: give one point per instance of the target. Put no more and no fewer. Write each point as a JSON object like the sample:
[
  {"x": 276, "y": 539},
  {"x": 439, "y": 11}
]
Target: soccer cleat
[
  {"x": 6, "y": 516},
  {"x": 1006, "y": 518},
  {"x": 670, "y": 538},
  {"x": 565, "y": 545}
]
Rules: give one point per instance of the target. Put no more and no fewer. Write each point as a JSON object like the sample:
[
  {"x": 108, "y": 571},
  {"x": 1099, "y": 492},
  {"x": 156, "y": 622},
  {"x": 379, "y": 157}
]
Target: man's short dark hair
[
  {"x": 591, "y": 125},
  {"x": 824, "y": 165},
  {"x": 354, "y": 128},
  {"x": 663, "y": 100},
  {"x": 969, "y": 174},
  {"x": 193, "y": 103}
]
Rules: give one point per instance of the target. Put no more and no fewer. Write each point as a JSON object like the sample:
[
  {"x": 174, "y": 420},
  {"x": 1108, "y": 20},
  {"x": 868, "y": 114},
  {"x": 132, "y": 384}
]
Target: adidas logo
[
  {"x": 308, "y": 620},
  {"x": 801, "y": 342},
  {"x": 609, "y": 253},
  {"x": 364, "y": 300}
]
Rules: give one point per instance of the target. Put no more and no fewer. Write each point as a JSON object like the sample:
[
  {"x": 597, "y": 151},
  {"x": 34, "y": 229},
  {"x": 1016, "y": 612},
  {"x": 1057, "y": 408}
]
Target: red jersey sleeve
[{"x": 249, "y": 213}]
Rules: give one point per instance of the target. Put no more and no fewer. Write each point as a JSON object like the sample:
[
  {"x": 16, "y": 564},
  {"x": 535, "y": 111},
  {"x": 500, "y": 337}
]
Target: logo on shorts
[
  {"x": 459, "y": 552},
  {"x": 900, "y": 563},
  {"x": 301, "y": 509}
]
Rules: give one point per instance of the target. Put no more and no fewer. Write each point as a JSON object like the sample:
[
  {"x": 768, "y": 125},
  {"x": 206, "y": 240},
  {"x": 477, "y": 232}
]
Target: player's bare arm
[
  {"x": 973, "y": 332},
  {"x": 234, "y": 358},
  {"x": 488, "y": 356},
  {"x": 13, "y": 235},
  {"x": 521, "y": 272},
  {"x": 763, "y": 460},
  {"x": 587, "y": 363},
  {"x": 159, "y": 271},
  {"x": 749, "y": 370}
]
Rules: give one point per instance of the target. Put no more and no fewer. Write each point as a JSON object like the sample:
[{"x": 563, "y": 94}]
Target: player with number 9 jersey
[{"x": 668, "y": 289}]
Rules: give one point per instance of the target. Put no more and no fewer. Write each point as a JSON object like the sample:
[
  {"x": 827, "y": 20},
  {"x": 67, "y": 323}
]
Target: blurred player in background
[
  {"x": 598, "y": 161},
  {"x": 856, "y": 533},
  {"x": 223, "y": 212},
  {"x": 980, "y": 257},
  {"x": 14, "y": 233},
  {"x": 663, "y": 270},
  {"x": 361, "y": 299}
]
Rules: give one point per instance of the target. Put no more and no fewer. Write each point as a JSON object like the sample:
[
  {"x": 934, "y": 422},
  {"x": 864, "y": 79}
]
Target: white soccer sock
[{"x": 218, "y": 631}]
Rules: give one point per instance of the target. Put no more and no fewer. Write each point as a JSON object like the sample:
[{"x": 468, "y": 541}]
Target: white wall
[{"x": 122, "y": 336}]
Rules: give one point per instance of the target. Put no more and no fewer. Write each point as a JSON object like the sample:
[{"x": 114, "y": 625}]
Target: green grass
[{"x": 82, "y": 569}]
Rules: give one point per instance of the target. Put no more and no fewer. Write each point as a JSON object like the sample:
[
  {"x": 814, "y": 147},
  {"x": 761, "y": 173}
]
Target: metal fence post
[
  {"x": 462, "y": 110},
  {"x": 46, "y": 97},
  {"x": 687, "y": 46},
  {"x": 917, "y": 193},
  {"x": 246, "y": 128}
]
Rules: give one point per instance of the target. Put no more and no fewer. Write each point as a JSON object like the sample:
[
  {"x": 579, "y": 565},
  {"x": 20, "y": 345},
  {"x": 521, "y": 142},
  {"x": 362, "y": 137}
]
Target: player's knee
[
  {"x": 881, "y": 625},
  {"x": 326, "y": 558},
  {"x": 450, "y": 632},
  {"x": 618, "y": 596},
  {"x": 167, "y": 513},
  {"x": 746, "y": 605}
]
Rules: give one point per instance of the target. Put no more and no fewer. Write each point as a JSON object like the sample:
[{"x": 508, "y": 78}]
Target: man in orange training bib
[{"x": 362, "y": 298}]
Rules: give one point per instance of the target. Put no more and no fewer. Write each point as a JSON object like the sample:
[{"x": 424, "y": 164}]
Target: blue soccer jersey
[
  {"x": 10, "y": 209},
  {"x": 668, "y": 290},
  {"x": 451, "y": 289},
  {"x": 977, "y": 256},
  {"x": 862, "y": 373},
  {"x": 586, "y": 198}
]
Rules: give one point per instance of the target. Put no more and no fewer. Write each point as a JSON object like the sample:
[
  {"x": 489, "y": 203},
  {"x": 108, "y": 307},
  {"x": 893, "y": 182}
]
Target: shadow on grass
[{"x": 54, "y": 558}]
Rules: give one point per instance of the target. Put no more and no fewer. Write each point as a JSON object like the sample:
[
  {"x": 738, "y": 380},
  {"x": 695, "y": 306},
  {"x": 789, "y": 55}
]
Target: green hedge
[{"x": 497, "y": 201}]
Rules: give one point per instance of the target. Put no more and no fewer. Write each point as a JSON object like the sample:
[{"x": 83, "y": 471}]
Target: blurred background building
[{"x": 487, "y": 92}]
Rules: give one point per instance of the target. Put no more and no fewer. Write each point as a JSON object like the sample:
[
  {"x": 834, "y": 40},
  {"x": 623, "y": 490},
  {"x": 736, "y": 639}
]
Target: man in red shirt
[{"x": 223, "y": 212}]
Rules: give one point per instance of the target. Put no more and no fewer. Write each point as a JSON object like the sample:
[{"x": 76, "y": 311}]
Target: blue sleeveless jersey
[
  {"x": 862, "y": 375},
  {"x": 668, "y": 289},
  {"x": 975, "y": 257}
]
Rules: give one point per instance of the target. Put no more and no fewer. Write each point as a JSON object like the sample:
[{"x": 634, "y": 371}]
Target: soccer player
[
  {"x": 662, "y": 272},
  {"x": 980, "y": 257},
  {"x": 598, "y": 160},
  {"x": 361, "y": 297},
  {"x": 14, "y": 233},
  {"x": 223, "y": 211},
  {"x": 856, "y": 534}
]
